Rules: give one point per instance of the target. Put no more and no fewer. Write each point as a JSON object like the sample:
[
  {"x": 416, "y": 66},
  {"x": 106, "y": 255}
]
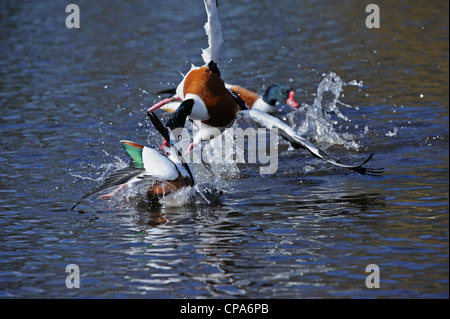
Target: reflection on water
[{"x": 68, "y": 96}]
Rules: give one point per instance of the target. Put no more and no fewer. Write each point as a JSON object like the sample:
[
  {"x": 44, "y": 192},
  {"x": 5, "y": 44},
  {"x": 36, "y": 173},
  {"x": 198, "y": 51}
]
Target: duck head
[{"x": 280, "y": 93}]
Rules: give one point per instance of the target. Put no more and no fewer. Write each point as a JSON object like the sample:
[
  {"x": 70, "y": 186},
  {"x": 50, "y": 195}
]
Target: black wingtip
[
  {"x": 367, "y": 160},
  {"x": 82, "y": 198},
  {"x": 171, "y": 91},
  {"x": 368, "y": 170},
  {"x": 359, "y": 168}
]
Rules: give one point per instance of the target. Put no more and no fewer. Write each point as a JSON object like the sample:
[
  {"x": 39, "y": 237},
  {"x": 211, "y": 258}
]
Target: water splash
[
  {"x": 103, "y": 170},
  {"x": 227, "y": 168},
  {"x": 205, "y": 193},
  {"x": 320, "y": 119},
  {"x": 200, "y": 194},
  {"x": 393, "y": 133},
  {"x": 203, "y": 158}
]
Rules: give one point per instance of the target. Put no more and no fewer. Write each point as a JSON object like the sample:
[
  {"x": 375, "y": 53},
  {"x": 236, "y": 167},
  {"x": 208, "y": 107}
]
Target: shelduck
[
  {"x": 202, "y": 92},
  {"x": 164, "y": 170},
  {"x": 276, "y": 93},
  {"x": 210, "y": 103}
]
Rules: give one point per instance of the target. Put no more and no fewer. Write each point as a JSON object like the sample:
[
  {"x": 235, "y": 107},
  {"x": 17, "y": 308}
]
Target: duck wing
[
  {"x": 265, "y": 120},
  {"x": 145, "y": 163},
  {"x": 119, "y": 177},
  {"x": 213, "y": 31}
]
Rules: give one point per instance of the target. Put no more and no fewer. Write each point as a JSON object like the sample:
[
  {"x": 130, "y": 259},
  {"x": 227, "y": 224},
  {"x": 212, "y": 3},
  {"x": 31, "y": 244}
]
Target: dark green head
[{"x": 280, "y": 93}]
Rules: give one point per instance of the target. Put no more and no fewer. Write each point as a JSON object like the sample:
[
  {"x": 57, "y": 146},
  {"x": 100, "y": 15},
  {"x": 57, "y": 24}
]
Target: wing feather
[
  {"x": 265, "y": 120},
  {"x": 119, "y": 177},
  {"x": 213, "y": 31}
]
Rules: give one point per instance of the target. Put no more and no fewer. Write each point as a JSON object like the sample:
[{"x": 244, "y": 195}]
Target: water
[{"x": 309, "y": 230}]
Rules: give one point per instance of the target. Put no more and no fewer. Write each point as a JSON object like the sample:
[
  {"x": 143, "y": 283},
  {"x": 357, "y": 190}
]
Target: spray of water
[{"x": 319, "y": 120}]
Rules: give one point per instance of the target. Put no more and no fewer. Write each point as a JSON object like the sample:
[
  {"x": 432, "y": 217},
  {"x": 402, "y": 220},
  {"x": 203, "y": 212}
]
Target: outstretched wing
[
  {"x": 214, "y": 33},
  {"x": 117, "y": 178},
  {"x": 265, "y": 120},
  {"x": 145, "y": 163}
]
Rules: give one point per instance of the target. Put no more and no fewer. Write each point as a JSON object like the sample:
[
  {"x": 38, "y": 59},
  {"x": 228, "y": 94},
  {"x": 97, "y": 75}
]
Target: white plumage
[{"x": 214, "y": 32}]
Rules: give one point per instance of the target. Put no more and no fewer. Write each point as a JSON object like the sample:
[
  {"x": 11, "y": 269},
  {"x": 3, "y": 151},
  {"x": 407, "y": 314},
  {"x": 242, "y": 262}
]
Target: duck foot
[{"x": 111, "y": 194}]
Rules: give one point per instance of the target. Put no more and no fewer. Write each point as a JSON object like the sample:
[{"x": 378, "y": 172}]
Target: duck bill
[
  {"x": 291, "y": 100},
  {"x": 160, "y": 104}
]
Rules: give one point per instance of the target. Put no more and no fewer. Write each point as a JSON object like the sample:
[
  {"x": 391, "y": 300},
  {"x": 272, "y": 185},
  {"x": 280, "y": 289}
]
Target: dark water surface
[{"x": 68, "y": 96}]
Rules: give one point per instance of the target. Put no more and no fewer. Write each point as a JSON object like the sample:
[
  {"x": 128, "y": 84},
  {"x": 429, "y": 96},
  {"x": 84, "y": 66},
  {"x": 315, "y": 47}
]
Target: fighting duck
[
  {"x": 267, "y": 102},
  {"x": 165, "y": 170},
  {"x": 206, "y": 99},
  {"x": 274, "y": 94}
]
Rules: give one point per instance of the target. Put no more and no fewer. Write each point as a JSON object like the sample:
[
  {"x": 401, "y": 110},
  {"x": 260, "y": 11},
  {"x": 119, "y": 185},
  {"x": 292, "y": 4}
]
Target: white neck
[{"x": 263, "y": 106}]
